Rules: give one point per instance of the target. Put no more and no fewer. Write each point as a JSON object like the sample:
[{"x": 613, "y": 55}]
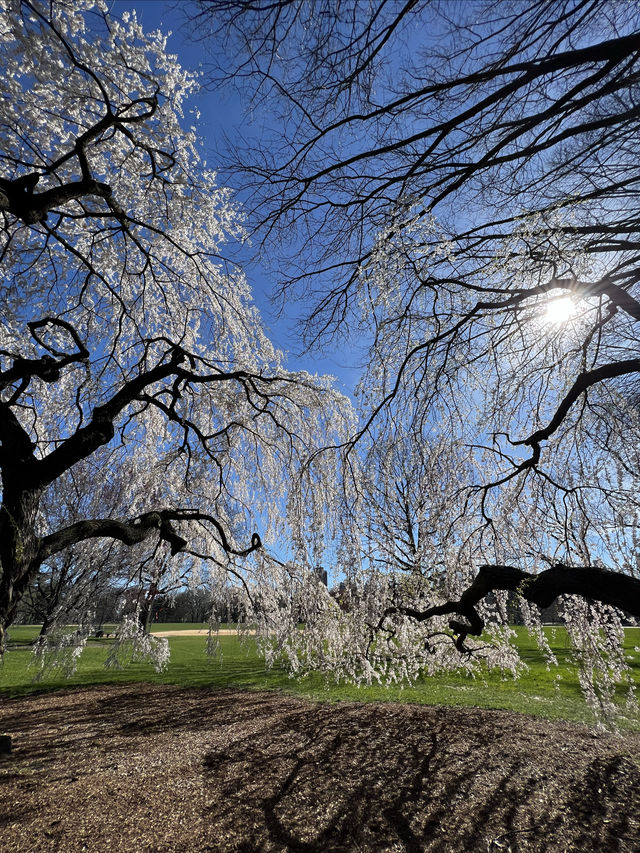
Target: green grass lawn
[{"x": 553, "y": 693}]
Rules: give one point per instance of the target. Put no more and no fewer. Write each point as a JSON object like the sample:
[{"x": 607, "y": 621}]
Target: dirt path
[
  {"x": 193, "y": 632},
  {"x": 154, "y": 768}
]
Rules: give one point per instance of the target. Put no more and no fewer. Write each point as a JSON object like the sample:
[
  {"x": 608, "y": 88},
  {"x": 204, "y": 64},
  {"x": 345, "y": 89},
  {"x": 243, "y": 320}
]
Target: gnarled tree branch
[
  {"x": 612, "y": 588},
  {"x": 137, "y": 530}
]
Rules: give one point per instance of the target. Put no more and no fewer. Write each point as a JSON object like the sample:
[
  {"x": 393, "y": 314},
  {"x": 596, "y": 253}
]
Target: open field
[{"x": 553, "y": 693}]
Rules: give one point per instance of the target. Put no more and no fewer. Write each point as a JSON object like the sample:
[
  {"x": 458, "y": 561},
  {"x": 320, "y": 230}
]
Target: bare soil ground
[
  {"x": 192, "y": 632},
  {"x": 154, "y": 768}
]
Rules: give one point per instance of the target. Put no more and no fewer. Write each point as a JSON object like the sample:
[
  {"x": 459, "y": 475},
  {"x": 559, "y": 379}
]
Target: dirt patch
[
  {"x": 194, "y": 632},
  {"x": 155, "y": 768}
]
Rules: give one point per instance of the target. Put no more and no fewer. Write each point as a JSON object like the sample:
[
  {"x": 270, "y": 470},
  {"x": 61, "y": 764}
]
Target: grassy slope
[{"x": 551, "y": 693}]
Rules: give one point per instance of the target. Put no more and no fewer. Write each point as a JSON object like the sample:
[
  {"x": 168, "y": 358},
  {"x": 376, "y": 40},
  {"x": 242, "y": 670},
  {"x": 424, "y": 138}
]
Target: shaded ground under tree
[{"x": 152, "y": 768}]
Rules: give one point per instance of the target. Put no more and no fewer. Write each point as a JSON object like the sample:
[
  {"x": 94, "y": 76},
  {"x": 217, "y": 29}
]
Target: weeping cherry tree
[
  {"x": 458, "y": 185},
  {"x": 123, "y": 331}
]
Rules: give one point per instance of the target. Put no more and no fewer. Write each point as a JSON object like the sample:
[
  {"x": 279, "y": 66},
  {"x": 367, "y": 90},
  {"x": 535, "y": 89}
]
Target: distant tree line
[{"x": 112, "y": 603}]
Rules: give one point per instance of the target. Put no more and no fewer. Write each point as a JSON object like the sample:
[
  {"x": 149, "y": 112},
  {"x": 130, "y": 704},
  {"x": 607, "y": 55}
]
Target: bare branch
[{"x": 612, "y": 588}]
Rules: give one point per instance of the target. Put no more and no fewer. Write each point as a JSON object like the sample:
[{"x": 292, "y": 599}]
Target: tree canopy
[
  {"x": 454, "y": 184},
  {"x": 458, "y": 182},
  {"x": 133, "y": 363}
]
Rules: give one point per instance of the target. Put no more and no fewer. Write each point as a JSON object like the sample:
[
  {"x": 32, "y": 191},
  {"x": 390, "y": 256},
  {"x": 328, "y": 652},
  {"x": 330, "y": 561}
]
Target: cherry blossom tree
[
  {"x": 125, "y": 336},
  {"x": 457, "y": 183},
  {"x": 70, "y": 581},
  {"x": 410, "y": 486}
]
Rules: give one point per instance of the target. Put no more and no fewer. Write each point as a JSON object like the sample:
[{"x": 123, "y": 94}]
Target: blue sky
[{"x": 218, "y": 114}]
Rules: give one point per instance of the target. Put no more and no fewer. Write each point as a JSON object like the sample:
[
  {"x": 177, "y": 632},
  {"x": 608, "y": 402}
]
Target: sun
[{"x": 559, "y": 310}]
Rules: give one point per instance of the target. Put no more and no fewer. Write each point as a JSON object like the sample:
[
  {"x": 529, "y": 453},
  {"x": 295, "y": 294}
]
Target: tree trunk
[
  {"x": 145, "y": 608},
  {"x": 19, "y": 545},
  {"x": 144, "y": 616},
  {"x": 45, "y": 625}
]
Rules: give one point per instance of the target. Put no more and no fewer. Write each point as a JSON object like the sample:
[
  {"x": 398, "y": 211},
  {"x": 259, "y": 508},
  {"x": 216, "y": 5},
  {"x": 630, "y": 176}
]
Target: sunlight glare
[{"x": 559, "y": 310}]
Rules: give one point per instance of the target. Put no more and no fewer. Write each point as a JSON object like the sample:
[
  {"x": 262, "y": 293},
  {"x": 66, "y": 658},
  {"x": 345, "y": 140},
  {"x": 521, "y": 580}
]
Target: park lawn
[
  {"x": 26, "y": 633},
  {"x": 552, "y": 693}
]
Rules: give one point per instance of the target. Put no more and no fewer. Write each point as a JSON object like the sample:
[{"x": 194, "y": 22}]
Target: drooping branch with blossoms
[
  {"x": 126, "y": 339},
  {"x": 457, "y": 184}
]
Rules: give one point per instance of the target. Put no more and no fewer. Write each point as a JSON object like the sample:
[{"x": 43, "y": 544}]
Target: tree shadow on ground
[
  {"x": 358, "y": 777},
  {"x": 265, "y": 772}
]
